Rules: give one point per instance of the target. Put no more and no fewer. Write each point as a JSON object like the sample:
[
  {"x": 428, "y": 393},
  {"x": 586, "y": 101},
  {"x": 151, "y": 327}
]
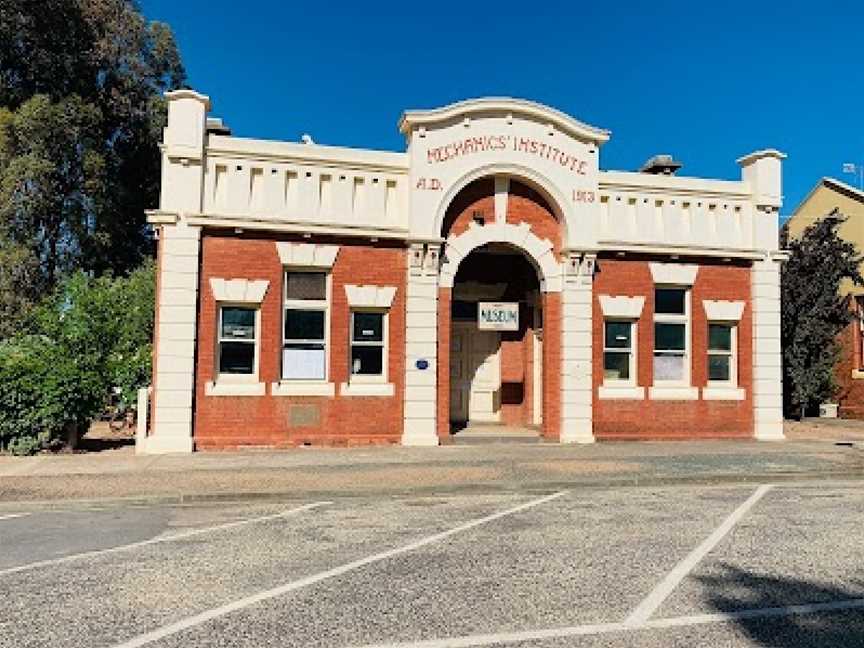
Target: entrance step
[{"x": 482, "y": 434}]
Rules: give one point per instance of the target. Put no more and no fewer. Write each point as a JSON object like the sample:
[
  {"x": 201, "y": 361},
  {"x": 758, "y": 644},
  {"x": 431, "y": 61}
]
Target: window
[
  {"x": 237, "y": 340},
  {"x": 722, "y": 363},
  {"x": 368, "y": 335},
  {"x": 618, "y": 356},
  {"x": 672, "y": 336},
  {"x": 304, "y": 345}
]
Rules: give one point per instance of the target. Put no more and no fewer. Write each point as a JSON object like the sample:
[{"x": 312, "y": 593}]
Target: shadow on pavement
[{"x": 738, "y": 590}]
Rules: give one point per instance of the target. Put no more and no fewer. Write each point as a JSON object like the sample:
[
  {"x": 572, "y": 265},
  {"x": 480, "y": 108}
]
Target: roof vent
[
  {"x": 215, "y": 126},
  {"x": 661, "y": 165}
]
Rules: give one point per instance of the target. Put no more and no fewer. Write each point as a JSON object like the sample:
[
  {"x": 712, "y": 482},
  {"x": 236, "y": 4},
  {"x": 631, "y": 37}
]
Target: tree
[
  {"x": 81, "y": 115},
  {"x": 813, "y": 312},
  {"x": 87, "y": 339}
]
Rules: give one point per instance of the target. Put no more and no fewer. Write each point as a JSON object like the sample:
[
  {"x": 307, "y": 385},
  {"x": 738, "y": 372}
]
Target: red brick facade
[
  {"x": 849, "y": 372},
  {"x": 233, "y": 421},
  {"x": 659, "y": 419}
]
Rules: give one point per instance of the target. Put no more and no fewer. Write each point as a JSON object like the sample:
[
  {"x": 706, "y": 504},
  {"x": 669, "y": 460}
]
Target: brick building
[{"x": 491, "y": 273}]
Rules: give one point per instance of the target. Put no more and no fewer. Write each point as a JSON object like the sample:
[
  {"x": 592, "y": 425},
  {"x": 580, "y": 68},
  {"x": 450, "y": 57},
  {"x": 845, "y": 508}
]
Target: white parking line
[
  {"x": 474, "y": 641},
  {"x": 152, "y": 541},
  {"x": 12, "y": 516},
  {"x": 209, "y": 615},
  {"x": 655, "y": 599}
]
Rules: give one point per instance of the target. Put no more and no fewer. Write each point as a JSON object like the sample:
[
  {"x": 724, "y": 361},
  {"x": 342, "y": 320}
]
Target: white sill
[
  {"x": 858, "y": 374},
  {"x": 302, "y": 388},
  {"x": 673, "y": 393},
  {"x": 234, "y": 388},
  {"x": 715, "y": 393},
  {"x": 621, "y": 392},
  {"x": 367, "y": 389}
]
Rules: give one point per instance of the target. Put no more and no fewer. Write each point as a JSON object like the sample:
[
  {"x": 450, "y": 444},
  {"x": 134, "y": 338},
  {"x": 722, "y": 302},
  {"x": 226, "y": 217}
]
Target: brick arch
[
  {"x": 540, "y": 252},
  {"x": 476, "y": 188}
]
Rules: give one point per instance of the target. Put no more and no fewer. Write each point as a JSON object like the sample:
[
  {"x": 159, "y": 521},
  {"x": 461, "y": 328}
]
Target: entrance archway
[{"x": 511, "y": 377}]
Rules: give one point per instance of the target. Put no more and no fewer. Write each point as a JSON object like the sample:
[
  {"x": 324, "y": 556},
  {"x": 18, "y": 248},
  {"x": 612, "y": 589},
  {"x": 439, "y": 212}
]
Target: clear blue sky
[{"x": 704, "y": 84}]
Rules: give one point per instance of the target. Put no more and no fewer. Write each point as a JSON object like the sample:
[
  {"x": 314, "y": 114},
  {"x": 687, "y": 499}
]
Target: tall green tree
[
  {"x": 813, "y": 311},
  {"x": 81, "y": 115}
]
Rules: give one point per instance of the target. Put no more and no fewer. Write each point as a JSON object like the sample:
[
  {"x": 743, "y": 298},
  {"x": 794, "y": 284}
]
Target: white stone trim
[
  {"x": 675, "y": 274},
  {"x": 711, "y": 393},
  {"x": 367, "y": 389},
  {"x": 723, "y": 311},
  {"x": 622, "y": 307},
  {"x": 519, "y": 236},
  {"x": 614, "y": 392},
  {"x": 502, "y": 194},
  {"x": 302, "y": 388},
  {"x": 307, "y": 255},
  {"x": 673, "y": 393},
  {"x": 232, "y": 388},
  {"x": 239, "y": 291},
  {"x": 370, "y": 296}
]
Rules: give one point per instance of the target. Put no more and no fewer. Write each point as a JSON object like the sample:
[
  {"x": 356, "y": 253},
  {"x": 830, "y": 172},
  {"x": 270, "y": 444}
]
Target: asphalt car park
[{"x": 732, "y": 565}]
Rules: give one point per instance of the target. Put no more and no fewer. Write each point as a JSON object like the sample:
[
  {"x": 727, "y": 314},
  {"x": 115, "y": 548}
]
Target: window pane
[
  {"x": 368, "y": 327},
  {"x": 238, "y": 323},
  {"x": 719, "y": 337},
  {"x": 617, "y": 335},
  {"x": 303, "y": 362},
  {"x": 669, "y": 301},
  {"x": 718, "y": 367},
  {"x": 304, "y": 324},
  {"x": 367, "y": 360},
  {"x": 616, "y": 365},
  {"x": 306, "y": 285},
  {"x": 669, "y": 337},
  {"x": 236, "y": 358},
  {"x": 668, "y": 366}
]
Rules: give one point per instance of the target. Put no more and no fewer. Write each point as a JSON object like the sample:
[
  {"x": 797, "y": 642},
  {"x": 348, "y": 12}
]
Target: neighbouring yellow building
[{"x": 827, "y": 196}]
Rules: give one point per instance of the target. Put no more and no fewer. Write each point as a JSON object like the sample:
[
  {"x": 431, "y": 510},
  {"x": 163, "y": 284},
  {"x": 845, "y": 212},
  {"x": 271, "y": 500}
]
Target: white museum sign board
[{"x": 498, "y": 316}]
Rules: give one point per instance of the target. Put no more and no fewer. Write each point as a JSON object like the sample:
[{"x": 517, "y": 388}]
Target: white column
[
  {"x": 576, "y": 327},
  {"x": 174, "y": 384},
  {"x": 421, "y": 346},
  {"x": 767, "y": 358}
]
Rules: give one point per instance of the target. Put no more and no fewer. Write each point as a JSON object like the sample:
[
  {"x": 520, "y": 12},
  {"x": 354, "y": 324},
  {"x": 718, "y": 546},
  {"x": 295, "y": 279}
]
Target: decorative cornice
[
  {"x": 370, "y": 296},
  {"x": 239, "y": 290},
  {"x": 723, "y": 311},
  {"x": 307, "y": 255},
  {"x": 506, "y": 106},
  {"x": 678, "y": 274},
  {"x": 622, "y": 307}
]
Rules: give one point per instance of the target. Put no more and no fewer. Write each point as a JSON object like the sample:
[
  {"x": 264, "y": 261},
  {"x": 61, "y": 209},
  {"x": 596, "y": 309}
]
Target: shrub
[{"x": 90, "y": 336}]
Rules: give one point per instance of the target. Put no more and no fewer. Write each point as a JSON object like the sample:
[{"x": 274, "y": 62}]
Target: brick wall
[
  {"x": 850, "y": 388},
  {"x": 232, "y": 421},
  {"x": 654, "y": 419}
]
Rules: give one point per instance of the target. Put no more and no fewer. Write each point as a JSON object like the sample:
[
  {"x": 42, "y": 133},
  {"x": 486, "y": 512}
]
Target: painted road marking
[
  {"x": 171, "y": 538},
  {"x": 473, "y": 641},
  {"x": 12, "y": 516},
  {"x": 209, "y": 615},
  {"x": 654, "y": 600}
]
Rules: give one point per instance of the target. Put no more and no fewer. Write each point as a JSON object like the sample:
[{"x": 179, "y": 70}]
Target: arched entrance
[{"x": 499, "y": 310}]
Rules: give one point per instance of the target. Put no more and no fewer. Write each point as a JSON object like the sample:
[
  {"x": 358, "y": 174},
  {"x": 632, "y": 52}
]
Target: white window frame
[
  {"x": 306, "y": 305},
  {"x": 732, "y": 382},
  {"x": 255, "y": 342},
  {"x": 631, "y": 381},
  {"x": 367, "y": 379},
  {"x": 686, "y": 320}
]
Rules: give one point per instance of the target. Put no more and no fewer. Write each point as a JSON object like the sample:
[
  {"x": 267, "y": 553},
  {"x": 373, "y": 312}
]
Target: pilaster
[
  {"x": 421, "y": 353},
  {"x": 767, "y": 358},
  {"x": 576, "y": 351}
]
